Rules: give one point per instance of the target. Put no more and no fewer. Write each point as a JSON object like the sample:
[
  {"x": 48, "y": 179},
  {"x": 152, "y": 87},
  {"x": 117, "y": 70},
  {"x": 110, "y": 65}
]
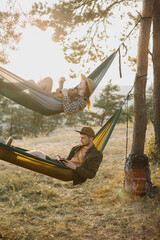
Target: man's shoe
[{"x": 9, "y": 141}]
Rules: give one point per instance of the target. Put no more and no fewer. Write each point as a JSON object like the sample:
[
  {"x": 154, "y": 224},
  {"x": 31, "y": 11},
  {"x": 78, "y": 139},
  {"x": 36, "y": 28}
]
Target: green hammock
[
  {"x": 32, "y": 97},
  {"x": 52, "y": 168}
]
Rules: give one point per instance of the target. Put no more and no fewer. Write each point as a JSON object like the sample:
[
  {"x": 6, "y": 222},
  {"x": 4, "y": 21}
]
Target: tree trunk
[
  {"x": 156, "y": 69},
  {"x": 140, "y": 121}
]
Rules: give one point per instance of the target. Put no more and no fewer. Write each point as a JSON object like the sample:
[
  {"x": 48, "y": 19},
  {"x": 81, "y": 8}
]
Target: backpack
[{"x": 137, "y": 179}]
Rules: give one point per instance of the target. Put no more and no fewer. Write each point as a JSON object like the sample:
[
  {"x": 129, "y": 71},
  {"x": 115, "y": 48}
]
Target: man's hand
[
  {"x": 60, "y": 158},
  {"x": 70, "y": 164}
]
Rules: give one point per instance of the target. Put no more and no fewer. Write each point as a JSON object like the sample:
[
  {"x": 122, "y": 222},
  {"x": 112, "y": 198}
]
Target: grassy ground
[{"x": 37, "y": 207}]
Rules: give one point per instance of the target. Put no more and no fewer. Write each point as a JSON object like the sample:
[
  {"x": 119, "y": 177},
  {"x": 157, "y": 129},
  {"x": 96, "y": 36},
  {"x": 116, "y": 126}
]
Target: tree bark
[
  {"x": 140, "y": 121},
  {"x": 156, "y": 69}
]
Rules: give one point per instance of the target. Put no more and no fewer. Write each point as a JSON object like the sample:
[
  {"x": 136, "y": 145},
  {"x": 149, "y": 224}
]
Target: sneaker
[{"x": 9, "y": 141}]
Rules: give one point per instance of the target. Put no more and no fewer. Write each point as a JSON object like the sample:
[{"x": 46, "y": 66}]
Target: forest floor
[{"x": 37, "y": 207}]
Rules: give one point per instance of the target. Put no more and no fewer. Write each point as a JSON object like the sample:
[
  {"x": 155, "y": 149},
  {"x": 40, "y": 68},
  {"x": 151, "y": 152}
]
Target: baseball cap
[{"x": 87, "y": 131}]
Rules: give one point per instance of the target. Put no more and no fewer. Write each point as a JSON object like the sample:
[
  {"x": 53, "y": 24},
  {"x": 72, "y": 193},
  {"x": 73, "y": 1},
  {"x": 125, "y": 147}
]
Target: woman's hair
[{"x": 86, "y": 92}]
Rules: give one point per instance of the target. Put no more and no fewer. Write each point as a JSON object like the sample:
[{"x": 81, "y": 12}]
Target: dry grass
[{"x": 37, "y": 207}]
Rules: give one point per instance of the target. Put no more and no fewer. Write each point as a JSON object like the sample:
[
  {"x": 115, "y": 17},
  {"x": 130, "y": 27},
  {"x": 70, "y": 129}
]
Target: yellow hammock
[{"x": 20, "y": 157}]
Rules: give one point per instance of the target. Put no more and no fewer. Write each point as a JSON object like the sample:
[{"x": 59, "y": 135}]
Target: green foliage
[
  {"x": 94, "y": 19},
  {"x": 149, "y": 107},
  {"x": 52, "y": 122},
  {"x": 153, "y": 150},
  {"x": 19, "y": 121},
  {"x": 71, "y": 120},
  {"x": 149, "y": 104},
  {"x": 124, "y": 116},
  {"x": 108, "y": 101},
  {"x": 9, "y": 35},
  {"x": 84, "y": 117},
  {"x": 97, "y": 118}
]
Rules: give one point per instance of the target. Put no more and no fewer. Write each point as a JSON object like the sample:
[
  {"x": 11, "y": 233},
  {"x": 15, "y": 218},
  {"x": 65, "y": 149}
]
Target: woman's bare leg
[
  {"x": 32, "y": 81},
  {"x": 46, "y": 84},
  {"x": 37, "y": 154}
]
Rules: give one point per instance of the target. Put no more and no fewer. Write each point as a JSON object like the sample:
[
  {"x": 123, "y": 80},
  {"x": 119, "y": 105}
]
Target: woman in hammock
[{"x": 74, "y": 100}]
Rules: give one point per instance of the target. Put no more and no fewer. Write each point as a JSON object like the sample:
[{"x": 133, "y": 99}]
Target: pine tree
[
  {"x": 84, "y": 118},
  {"x": 108, "y": 102}
]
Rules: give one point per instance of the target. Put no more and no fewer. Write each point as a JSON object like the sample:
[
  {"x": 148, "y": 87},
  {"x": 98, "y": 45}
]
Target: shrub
[{"x": 153, "y": 151}]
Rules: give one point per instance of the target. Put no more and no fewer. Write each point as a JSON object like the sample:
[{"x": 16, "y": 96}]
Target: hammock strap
[
  {"x": 126, "y": 128},
  {"x": 120, "y": 64}
]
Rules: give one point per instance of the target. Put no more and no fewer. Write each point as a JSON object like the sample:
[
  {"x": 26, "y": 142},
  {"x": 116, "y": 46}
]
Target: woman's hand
[
  {"x": 61, "y": 82},
  {"x": 62, "y": 79},
  {"x": 65, "y": 92}
]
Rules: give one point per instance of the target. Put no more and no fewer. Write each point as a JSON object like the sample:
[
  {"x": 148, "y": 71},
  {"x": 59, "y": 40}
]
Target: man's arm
[
  {"x": 69, "y": 164},
  {"x": 90, "y": 172}
]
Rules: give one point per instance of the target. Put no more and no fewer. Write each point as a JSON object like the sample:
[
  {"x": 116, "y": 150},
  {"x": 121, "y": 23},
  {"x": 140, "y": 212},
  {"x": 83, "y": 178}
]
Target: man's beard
[{"x": 85, "y": 145}]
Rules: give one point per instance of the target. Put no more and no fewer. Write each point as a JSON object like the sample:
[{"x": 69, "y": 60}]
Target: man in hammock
[
  {"x": 74, "y": 100},
  {"x": 83, "y": 159}
]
